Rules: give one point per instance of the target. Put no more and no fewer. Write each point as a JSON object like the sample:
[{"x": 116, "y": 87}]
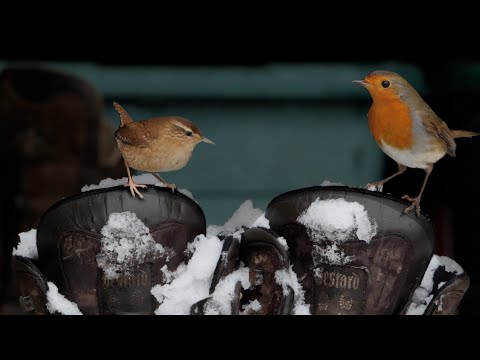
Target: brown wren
[{"x": 159, "y": 144}]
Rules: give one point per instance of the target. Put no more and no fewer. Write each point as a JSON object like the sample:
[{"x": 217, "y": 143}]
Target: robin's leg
[
  {"x": 416, "y": 201},
  {"x": 378, "y": 186},
  {"x": 171, "y": 186},
  {"x": 131, "y": 184}
]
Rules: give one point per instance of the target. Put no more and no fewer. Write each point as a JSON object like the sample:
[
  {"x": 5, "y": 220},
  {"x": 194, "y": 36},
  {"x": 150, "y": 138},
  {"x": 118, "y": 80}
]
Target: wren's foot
[
  {"x": 133, "y": 188},
  {"x": 415, "y": 204},
  {"x": 375, "y": 186},
  {"x": 171, "y": 186}
]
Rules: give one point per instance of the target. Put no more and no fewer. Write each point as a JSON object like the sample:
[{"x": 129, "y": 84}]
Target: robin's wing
[
  {"x": 135, "y": 134},
  {"x": 438, "y": 127}
]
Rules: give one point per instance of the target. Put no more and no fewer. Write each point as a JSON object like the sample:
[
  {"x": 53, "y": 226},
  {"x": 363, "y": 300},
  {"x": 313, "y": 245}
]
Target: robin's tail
[
  {"x": 124, "y": 117},
  {"x": 462, "y": 133}
]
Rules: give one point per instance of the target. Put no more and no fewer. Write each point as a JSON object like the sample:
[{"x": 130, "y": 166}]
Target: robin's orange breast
[{"x": 390, "y": 122}]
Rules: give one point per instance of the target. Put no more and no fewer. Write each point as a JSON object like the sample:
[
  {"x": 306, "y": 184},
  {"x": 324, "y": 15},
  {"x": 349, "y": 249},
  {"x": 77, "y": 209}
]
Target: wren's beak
[
  {"x": 361, "y": 83},
  {"x": 208, "y": 141}
]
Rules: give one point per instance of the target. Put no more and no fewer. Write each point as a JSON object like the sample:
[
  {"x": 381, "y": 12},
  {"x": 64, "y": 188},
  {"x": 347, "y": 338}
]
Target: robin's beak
[
  {"x": 361, "y": 83},
  {"x": 208, "y": 141}
]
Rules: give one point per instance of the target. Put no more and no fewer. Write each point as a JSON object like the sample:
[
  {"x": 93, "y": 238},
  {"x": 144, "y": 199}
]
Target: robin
[
  {"x": 406, "y": 128},
  {"x": 155, "y": 145}
]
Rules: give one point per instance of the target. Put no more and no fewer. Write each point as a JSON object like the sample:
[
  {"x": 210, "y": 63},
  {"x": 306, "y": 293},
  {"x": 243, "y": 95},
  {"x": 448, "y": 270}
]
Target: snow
[
  {"x": 423, "y": 294},
  {"x": 331, "y": 183},
  {"x": 245, "y": 215},
  {"x": 220, "y": 302},
  {"x": 193, "y": 283},
  {"x": 262, "y": 221},
  {"x": 337, "y": 220},
  {"x": 27, "y": 247},
  {"x": 169, "y": 276},
  {"x": 283, "y": 242},
  {"x": 378, "y": 188},
  {"x": 126, "y": 244},
  {"x": 146, "y": 179},
  {"x": 287, "y": 278},
  {"x": 329, "y": 254},
  {"x": 57, "y": 303},
  {"x": 254, "y": 306}
]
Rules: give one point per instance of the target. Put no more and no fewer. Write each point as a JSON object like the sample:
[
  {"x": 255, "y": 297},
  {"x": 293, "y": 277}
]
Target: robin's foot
[
  {"x": 133, "y": 188},
  {"x": 415, "y": 204},
  {"x": 375, "y": 186}
]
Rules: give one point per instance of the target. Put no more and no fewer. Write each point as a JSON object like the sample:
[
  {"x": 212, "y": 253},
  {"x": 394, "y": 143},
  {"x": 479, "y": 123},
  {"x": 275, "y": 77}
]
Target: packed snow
[
  {"x": 246, "y": 215},
  {"x": 126, "y": 244},
  {"x": 27, "y": 247},
  {"x": 423, "y": 294},
  {"x": 283, "y": 242},
  {"x": 262, "y": 221},
  {"x": 192, "y": 284},
  {"x": 288, "y": 278},
  {"x": 57, "y": 303},
  {"x": 331, "y": 183},
  {"x": 337, "y": 220},
  {"x": 253, "y": 306},
  {"x": 145, "y": 179},
  {"x": 373, "y": 187},
  {"x": 220, "y": 302},
  {"x": 329, "y": 254}
]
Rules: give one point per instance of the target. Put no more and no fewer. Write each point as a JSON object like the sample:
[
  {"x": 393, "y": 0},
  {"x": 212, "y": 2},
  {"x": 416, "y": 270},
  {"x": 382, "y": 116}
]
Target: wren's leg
[
  {"x": 379, "y": 184},
  {"x": 132, "y": 185},
  {"x": 171, "y": 186},
  {"x": 416, "y": 201}
]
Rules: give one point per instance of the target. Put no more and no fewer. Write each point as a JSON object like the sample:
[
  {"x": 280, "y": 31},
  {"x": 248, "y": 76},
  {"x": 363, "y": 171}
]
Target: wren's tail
[
  {"x": 124, "y": 117},
  {"x": 462, "y": 133}
]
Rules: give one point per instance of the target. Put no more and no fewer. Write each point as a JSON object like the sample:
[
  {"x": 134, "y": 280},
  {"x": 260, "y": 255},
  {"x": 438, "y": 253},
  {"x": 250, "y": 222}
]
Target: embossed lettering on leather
[
  {"x": 129, "y": 293},
  {"x": 340, "y": 290}
]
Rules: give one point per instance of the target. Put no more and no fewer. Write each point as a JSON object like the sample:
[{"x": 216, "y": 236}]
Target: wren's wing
[
  {"x": 135, "y": 134},
  {"x": 438, "y": 127}
]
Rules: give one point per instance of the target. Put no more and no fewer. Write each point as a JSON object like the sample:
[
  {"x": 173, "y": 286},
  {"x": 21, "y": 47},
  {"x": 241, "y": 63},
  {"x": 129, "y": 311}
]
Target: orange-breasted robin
[
  {"x": 406, "y": 128},
  {"x": 160, "y": 144}
]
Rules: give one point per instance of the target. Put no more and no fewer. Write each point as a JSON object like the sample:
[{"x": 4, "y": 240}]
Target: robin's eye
[
  {"x": 385, "y": 83},
  {"x": 189, "y": 133}
]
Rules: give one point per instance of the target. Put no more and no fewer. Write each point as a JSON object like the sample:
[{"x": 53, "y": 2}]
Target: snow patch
[
  {"x": 329, "y": 254},
  {"x": 27, "y": 247},
  {"x": 262, "y": 221},
  {"x": 246, "y": 215},
  {"x": 126, "y": 244},
  {"x": 253, "y": 306},
  {"x": 337, "y": 220},
  {"x": 288, "y": 279},
  {"x": 57, "y": 303},
  {"x": 423, "y": 294},
  {"x": 144, "y": 179},
  {"x": 192, "y": 283},
  {"x": 331, "y": 183},
  {"x": 220, "y": 302},
  {"x": 283, "y": 242}
]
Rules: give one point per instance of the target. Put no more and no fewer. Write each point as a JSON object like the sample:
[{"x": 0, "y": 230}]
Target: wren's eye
[
  {"x": 189, "y": 133},
  {"x": 385, "y": 83}
]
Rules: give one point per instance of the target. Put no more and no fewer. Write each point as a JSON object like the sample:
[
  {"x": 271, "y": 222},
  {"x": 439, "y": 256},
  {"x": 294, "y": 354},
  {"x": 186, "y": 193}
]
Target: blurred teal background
[{"x": 276, "y": 127}]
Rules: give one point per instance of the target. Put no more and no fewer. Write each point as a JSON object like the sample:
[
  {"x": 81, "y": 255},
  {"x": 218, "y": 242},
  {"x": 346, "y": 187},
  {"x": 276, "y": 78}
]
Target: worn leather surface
[
  {"x": 448, "y": 291},
  {"x": 383, "y": 274},
  {"x": 260, "y": 251},
  {"x": 68, "y": 240},
  {"x": 32, "y": 286}
]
